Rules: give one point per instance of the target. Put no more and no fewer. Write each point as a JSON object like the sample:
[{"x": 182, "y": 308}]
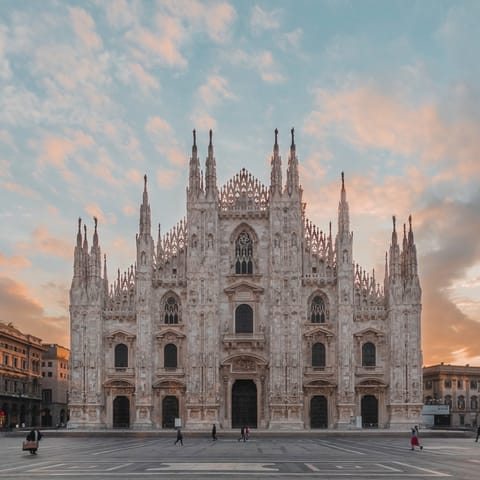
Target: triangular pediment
[
  {"x": 243, "y": 286},
  {"x": 369, "y": 331},
  {"x": 170, "y": 331},
  {"x": 318, "y": 331},
  {"x": 117, "y": 334},
  {"x": 168, "y": 382}
]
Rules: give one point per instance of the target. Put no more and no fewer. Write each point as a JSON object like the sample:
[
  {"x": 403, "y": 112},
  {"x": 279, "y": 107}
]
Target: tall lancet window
[
  {"x": 318, "y": 310},
  {"x": 369, "y": 355},
  {"x": 244, "y": 254},
  {"x": 171, "y": 311}
]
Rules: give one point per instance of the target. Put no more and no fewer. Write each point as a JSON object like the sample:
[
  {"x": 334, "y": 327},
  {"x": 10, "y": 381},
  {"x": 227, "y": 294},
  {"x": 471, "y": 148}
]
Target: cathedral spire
[
  {"x": 343, "y": 213},
  {"x": 105, "y": 276},
  {"x": 210, "y": 172},
  {"x": 276, "y": 169},
  {"x": 292, "y": 170},
  {"x": 194, "y": 170},
  {"x": 144, "y": 225},
  {"x": 79, "y": 233},
  {"x": 395, "y": 261},
  {"x": 412, "y": 251},
  {"x": 79, "y": 257},
  {"x": 95, "y": 233}
]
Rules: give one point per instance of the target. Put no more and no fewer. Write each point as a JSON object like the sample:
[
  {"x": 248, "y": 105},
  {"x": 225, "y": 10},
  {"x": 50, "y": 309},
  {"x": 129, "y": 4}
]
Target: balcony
[{"x": 252, "y": 341}]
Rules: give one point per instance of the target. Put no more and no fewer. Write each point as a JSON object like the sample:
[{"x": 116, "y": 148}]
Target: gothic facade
[{"x": 245, "y": 313}]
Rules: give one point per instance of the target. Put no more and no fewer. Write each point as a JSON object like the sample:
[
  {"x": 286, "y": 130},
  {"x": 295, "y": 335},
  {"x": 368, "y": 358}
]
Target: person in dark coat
[
  {"x": 34, "y": 436},
  {"x": 179, "y": 437},
  {"x": 214, "y": 432},
  {"x": 478, "y": 433},
  {"x": 242, "y": 434}
]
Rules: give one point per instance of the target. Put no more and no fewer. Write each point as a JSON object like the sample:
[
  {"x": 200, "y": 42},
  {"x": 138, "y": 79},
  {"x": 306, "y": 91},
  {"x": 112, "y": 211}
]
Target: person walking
[
  {"x": 214, "y": 432},
  {"x": 179, "y": 437},
  {"x": 247, "y": 432},
  {"x": 414, "y": 442},
  {"x": 478, "y": 433},
  {"x": 242, "y": 434},
  {"x": 34, "y": 436}
]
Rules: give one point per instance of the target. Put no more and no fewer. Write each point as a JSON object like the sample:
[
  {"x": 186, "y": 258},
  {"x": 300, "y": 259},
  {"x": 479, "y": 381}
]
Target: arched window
[
  {"x": 244, "y": 319},
  {"x": 461, "y": 402},
  {"x": 244, "y": 254},
  {"x": 448, "y": 400},
  {"x": 171, "y": 310},
  {"x": 318, "y": 355},
  {"x": 368, "y": 355},
  {"x": 474, "y": 403},
  {"x": 318, "y": 311},
  {"x": 170, "y": 356},
  {"x": 121, "y": 356}
]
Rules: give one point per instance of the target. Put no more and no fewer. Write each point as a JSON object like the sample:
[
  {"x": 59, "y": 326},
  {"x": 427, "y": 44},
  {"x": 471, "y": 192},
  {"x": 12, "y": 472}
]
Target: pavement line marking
[
  {"x": 123, "y": 447},
  {"x": 332, "y": 445},
  {"x": 387, "y": 467},
  {"x": 46, "y": 467},
  {"x": 207, "y": 467},
  {"x": 474, "y": 461},
  {"x": 312, "y": 467},
  {"x": 118, "y": 466},
  {"x": 21, "y": 466},
  {"x": 439, "y": 474}
]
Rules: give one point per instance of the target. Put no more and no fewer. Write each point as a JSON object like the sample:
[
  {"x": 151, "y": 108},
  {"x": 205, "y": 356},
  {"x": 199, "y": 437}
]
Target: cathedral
[{"x": 245, "y": 313}]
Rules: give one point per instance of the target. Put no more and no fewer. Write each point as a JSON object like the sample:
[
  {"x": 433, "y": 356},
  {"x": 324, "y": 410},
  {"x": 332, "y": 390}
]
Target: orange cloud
[
  {"x": 370, "y": 119},
  {"x": 15, "y": 261},
  {"x": 95, "y": 211},
  {"x": 146, "y": 81},
  {"x": 28, "y": 314}
]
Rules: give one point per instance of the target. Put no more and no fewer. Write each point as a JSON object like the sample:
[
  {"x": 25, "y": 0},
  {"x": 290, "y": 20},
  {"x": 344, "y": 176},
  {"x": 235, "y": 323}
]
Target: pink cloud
[
  {"x": 84, "y": 28},
  {"x": 146, "y": 81},
  {"x": 167, "y": 178},
  {"x": 17, "y": 188},
  {"x": 14, "y": 261},
  {"x": 368, "y": 118},
  {"x": 157, "y": 125},
  {"x": 262, "y": 62},
  {"x": 95, "y": 211},
  {"x": 215, "y": 90}
]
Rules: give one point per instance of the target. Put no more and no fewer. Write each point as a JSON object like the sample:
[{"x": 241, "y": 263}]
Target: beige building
[
  {"x": 456, "y": 386},
  {"x": 246, "y": 312},
  {"x": 20, "y": 395},
  {"x": 55, "y": 373}
]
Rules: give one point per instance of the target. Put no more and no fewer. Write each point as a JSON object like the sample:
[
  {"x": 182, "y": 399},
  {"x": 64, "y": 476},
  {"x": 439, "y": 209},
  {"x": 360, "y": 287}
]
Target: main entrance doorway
[
  {"x": 121, "y": 412},
  {"x": 318, "y": 412},
  {"x": 369, "y": 411},
  {"x": 244, "y": 404},
  {"x": 169, "y": 411}
]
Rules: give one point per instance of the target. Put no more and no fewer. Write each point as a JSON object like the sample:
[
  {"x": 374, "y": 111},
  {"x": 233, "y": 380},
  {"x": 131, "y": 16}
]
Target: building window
[
  {"x": 170, "y": 356},
  {"x": 448, "y": 400},
  {"x": 474, "y": 403},
  {"x": 244, "y": 319},
  {"x": 47, "y": 396},
  {"x": 448, "y": 383},
  {"x": 460, "y": 384},
  {"x": 461, "y": 402},
  {"x": 121, "y": 356},
  {"x": 49, "y": 374},
  {"x": 171, "y": 311},
  {"x": 244, "y": 254},
  {"x": 318, "y": 355},
  {"x": 368, "y": 355},
  {"x": 318, "y": 311},
  {"x": 428, "y": 385},
  {"x": 15, "y": 362},
  {"x": 43, "y": 364},
  {"x": 462, "y": 420},
  {"x": 473, "y": 384}
]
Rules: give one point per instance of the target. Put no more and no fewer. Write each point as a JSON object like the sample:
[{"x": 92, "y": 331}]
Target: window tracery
[
  {"x": 171, "y": 311},
  {"x": 244, "y": 254},
  {"x": 318, "y": 310}
]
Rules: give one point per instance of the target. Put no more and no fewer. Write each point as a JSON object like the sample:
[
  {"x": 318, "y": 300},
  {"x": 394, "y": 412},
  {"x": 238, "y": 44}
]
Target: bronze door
[{"x": 244, "y": 404}]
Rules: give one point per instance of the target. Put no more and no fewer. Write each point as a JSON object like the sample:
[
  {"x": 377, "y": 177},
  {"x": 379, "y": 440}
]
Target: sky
[{"x": 95, "y": 94}]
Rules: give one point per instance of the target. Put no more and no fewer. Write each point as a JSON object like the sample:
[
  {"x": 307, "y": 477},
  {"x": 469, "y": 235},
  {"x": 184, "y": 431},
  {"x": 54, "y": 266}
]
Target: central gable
[{"x": 243, "y": 192}]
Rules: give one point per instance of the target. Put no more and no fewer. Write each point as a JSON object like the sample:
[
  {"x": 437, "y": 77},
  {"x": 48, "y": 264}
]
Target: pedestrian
[
  {"x": 34, "y": 436},
  {"x": 414, "y": 439},
  {"x": 179, "y": 437},
  {"x": 242, "y": 434},
  {"x": 214, "y": 432},
  {"x": 247, "y": 432},
  {"x": 478, "y": 433}
]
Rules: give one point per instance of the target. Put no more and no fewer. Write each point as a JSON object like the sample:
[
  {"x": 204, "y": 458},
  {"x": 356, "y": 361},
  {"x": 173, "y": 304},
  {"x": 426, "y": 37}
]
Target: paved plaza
[{"x": 262, "y": 456}]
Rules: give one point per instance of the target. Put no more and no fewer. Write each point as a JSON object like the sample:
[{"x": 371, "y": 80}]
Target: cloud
[
  {"x": 129, "y": 210},
  {"x": 28, "y": 314},
  {"x": 215, "y": 90},
  {"x": 264, "y": 20},
  {"x": 14, "y": 261},
  {"x": 84, "y": 28},
  {"x": 291, "y": 40},
  {"x": 121, "y": 13},
  {"x": 367, "y": 118},
  {"x": 165, "y": 140},
  {"x": 164, "y": 43},
  {"x": 158, "y": 126},
  {"x": 167, "y": 178},
  {"x": 145, "y": 81},
  {"x": 262, "y": 62},
  {"x": 202, "y": 120},
  {"x": 95, "y": 211},
  {"x": 5, "y": 70}
]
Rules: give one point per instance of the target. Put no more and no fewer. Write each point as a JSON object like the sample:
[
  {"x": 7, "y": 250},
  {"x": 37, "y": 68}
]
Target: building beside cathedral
[{"x": 245, "y": 313}]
